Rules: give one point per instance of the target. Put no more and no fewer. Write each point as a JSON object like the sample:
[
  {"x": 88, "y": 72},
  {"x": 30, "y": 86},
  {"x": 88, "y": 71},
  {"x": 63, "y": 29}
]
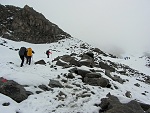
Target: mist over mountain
[{"x": 76, "y": 78}]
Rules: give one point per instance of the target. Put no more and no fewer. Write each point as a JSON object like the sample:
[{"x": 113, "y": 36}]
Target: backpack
[
  {"x": 22, "y": 51},
  {"x": 29, "y": 52}
]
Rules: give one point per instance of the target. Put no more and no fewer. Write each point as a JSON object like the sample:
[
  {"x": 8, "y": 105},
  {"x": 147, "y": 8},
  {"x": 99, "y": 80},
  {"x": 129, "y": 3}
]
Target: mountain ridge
[
  {"x": 26, "y": 24},
  {"x": 77, "y": 78}
]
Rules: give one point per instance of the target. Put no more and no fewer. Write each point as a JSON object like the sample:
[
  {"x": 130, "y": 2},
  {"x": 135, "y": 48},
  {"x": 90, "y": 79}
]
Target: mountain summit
[{"x": 25, "y": 24}]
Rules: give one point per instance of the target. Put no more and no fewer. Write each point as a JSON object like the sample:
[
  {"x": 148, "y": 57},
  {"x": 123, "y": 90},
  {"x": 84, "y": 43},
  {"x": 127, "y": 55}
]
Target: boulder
[
  {"x": 87, "y": 56},
  {"x": 115, "y": 77},
  {"x": 13, "y": 90},
  {"x": 42, "y": 62},
  {"x": 90, "y": 54},
  {"x": 145, "y": 107},
  {"x": 60, "y": 63},
  {"x": 87, "y": 62},
  {"x": 73, "y": 61},
  {"x": 44, "y": 87},
  {"x": 97, "y": 50},
  {"x": 107, "y": 73},
  {"x": 103, "y": 82},
  {"x": 118, "y": 79},
  {"x": 66, "y": 58},
  {"x": 113, "y": 105},
  {"x": 148, "y": 111},
  {"x": 93, "y": 75},
  {"x": 128, "y": 94},
  {"x": 70, "y": 76},
  {"x": 106, "y": 67},
  {"x": 135, "y": 106},
  {"x": 55, "y": 83},
  {"x": 79, "y": 71}
]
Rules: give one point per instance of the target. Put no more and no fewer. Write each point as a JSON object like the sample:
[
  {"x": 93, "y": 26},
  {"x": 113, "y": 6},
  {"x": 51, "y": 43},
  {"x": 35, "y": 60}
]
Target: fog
[{"x": 114, "y": 26}]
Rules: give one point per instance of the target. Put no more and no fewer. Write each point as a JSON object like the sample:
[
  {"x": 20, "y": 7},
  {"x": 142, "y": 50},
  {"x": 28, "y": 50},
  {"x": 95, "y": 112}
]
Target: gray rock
[
  {"x": 148, "y": 111},
  {"x": 28, "y": 25},
  {"x": 113, "y": 105},
  {"x": 106, "y": 67},
  {"x": 60, "y": 63},
  {"x": 90, "y": 54},
  {"x": 93, "y": 75},
  {"x": 54, "y": 83},
  {"x": 107, "y": 73},
  {"x": 44, "y": 88},
  {"x": 115, "y": 77},
  {"x": 87, "y": 59},
  {"x": 13, "y": 90},
  {"x": 128, "y": 94},
  {"x": 79, "y": 71},
  {"x": 103, "y": 82},
  {"x": 145, "y": 107},
  {"x": 137, "y": 84},
  {"x": 118, "y": 79},
  {"x": 42, "y": 62},
  {"x": 135, "y": 106},
  {"x": 70, "y": 75},
  {"x": 87, "y": 62},
  {"x": 99, "y": 51},
  {"x": 66, "y": 58},
  {"x": 73, "y": 61}
]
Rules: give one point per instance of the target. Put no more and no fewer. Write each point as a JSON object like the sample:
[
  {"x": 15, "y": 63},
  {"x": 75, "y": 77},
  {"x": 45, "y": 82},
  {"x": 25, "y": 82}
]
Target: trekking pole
[{"x": 32, "y": 58}]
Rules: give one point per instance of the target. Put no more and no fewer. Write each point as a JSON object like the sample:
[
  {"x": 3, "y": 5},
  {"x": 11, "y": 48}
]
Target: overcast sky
[{"x": 111, "y": 25}]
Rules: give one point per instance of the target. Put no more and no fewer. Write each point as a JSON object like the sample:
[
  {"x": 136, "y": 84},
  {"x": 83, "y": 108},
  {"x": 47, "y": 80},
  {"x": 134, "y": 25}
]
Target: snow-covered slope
[{"x": 31, "y": 76}]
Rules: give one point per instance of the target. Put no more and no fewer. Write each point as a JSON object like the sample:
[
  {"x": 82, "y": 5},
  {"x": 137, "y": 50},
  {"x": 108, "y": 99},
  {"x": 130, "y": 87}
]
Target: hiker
[
  {"x": 126, "y": 58},
  {"x": 29, "y": 55},
  {"x": 48, "y": 53},
  {"x": 22, "y": 54},
  {"x": 25, "y": 55}
]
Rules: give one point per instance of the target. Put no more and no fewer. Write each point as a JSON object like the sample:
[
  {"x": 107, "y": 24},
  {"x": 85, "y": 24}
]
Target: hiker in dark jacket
[
  {"x": 22, "y": 53},
  {"x": 48, "y": 53}
]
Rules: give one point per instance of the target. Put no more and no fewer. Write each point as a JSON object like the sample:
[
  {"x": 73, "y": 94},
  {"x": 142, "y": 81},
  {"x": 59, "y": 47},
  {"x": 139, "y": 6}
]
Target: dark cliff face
[{"x": 25, "y": 24}]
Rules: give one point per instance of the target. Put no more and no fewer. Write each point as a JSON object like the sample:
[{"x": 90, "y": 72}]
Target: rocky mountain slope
[
  {"x": 25, "y": 24},
  {"x": 77, "y": 78}
]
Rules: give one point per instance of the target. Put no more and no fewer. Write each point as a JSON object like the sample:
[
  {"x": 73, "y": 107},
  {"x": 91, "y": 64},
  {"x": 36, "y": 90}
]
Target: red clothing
[
  {"x": 4, "y": 80},
  {"x": 49, "y": 52}
]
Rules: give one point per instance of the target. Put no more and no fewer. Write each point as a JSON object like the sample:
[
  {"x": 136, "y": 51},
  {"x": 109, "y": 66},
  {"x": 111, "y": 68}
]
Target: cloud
[
  {"x": 147, "y": 54},
  {"x": 122, "y": 24}
]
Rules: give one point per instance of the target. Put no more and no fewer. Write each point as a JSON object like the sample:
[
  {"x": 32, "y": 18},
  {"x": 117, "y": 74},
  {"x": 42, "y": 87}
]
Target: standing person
[
  {"x": 48, "y": 53},
  {"x": 29, "y": 55},
  {"x": 25, "y": 55},
  {"x": 22, "y": 53}
]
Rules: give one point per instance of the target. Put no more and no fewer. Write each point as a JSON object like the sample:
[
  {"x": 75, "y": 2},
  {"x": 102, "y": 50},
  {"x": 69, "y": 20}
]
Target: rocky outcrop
[
  {"x": 106, "y": 66},
  {"x": 25, "y": 24},
  {"x": 13, "y": 90},
  {"x": 103, "y": 82},
  {"x": 113, "y": 105},
  {"x": 41, "y": 62},
  {"x": 55, "y": 83}
]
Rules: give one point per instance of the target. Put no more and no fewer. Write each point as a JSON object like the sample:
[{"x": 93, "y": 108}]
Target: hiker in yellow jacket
[{"x": 29, "y": 55}]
